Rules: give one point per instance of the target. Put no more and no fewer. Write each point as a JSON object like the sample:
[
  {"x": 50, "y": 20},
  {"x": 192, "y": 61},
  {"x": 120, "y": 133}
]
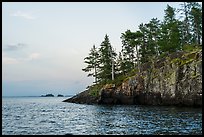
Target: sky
[{"x": 44, "y": 43}]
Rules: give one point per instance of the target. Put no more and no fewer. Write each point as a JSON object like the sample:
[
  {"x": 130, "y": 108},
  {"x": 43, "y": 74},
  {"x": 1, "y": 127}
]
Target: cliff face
[{"x": 176, "y": 80}]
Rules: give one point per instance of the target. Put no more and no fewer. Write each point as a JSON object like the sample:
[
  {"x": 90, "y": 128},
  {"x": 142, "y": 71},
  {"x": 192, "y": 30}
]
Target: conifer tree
[
  {"x": 93, "y": 63},
  {"x": 128, "y": 46},
  {"x": 120, "y": 64},
  {"x": 143, "y": 48},
  {"x": 185, "y": 24},
  {"x": 107, "y": 60},
  {"x": 170, "y": 35},
  {"x": 196, "y": 23}
]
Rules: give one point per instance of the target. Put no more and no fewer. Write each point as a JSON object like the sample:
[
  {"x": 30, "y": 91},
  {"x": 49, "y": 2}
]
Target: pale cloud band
[
  {"x": 33, "y": 56},
  {"x": 23, "y": 15},
  {"x": 13, "y": 47},
  {"x": 7, "y": 59},
  {"x": 11, "y": 60}
]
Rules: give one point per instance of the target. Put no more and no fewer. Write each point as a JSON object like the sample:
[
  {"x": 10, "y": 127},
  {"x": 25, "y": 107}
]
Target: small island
[
  {"x": 59, "y": 95},
  {"x": 47, "y": 95}
]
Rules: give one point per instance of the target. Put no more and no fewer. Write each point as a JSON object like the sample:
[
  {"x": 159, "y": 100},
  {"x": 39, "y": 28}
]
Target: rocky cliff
[{"x": 174, "y": 80}]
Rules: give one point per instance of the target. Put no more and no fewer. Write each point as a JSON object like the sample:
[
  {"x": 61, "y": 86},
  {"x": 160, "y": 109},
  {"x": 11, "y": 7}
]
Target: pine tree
[
  {"x": 120, "y": 67},
  {"x": 196, "y": 23},
  {"x": 138, "y": 43},
  {"x": 107, "y": 60},
  {"x": 148, "y": 39},
  {"x": 143, "y": 48},
  {"x": 128, "y": 46},
  {"x": 154, "y": 29},
  {"x": 170, "y": 34},
  {"x": 185, "y": 24},
  {"x": 93, "y": 63}
]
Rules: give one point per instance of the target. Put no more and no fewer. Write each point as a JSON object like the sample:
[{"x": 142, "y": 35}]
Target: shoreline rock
[{"x": 83, "y": 98}]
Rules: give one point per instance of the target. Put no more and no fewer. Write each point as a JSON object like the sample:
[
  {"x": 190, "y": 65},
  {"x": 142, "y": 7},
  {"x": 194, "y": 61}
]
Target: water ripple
[{"x": 51, "y": 116}]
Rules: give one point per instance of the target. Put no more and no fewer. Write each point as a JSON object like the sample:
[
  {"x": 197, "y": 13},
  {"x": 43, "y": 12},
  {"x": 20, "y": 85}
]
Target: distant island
[
  {"x": 59, "y": 95},
  {"x": 47, "y": 95}
]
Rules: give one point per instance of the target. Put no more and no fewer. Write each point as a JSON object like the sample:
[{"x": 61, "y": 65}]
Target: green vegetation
[
  {"x": 188, "y": 57},
  {"x": 153, "y": 41},
  {"x": 94, "y": 89},
  {"x": 93, "y": 63}
]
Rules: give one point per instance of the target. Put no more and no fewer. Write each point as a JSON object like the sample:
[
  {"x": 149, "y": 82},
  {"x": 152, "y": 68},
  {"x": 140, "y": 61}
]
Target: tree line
[{"x": 154, "y": 39}]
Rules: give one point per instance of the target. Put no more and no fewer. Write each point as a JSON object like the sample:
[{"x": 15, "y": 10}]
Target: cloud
[
  {"x": 10, "y": 60},
  {"x": 23, "y": 15},
  {"x": 33, "y": 56},
  {"x": 13, "y": 47}
]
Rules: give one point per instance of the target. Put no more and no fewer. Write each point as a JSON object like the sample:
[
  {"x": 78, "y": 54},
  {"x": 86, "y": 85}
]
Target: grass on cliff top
[
  {"x": 94, "y": 89},
  {"x": 190, "y": 48},
  {"x": 191, "y": 53}
]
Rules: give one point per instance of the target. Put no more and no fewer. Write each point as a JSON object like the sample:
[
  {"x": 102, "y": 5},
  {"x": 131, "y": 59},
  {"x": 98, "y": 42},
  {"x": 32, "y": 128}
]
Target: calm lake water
[{"x": 49, "y": 115}]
